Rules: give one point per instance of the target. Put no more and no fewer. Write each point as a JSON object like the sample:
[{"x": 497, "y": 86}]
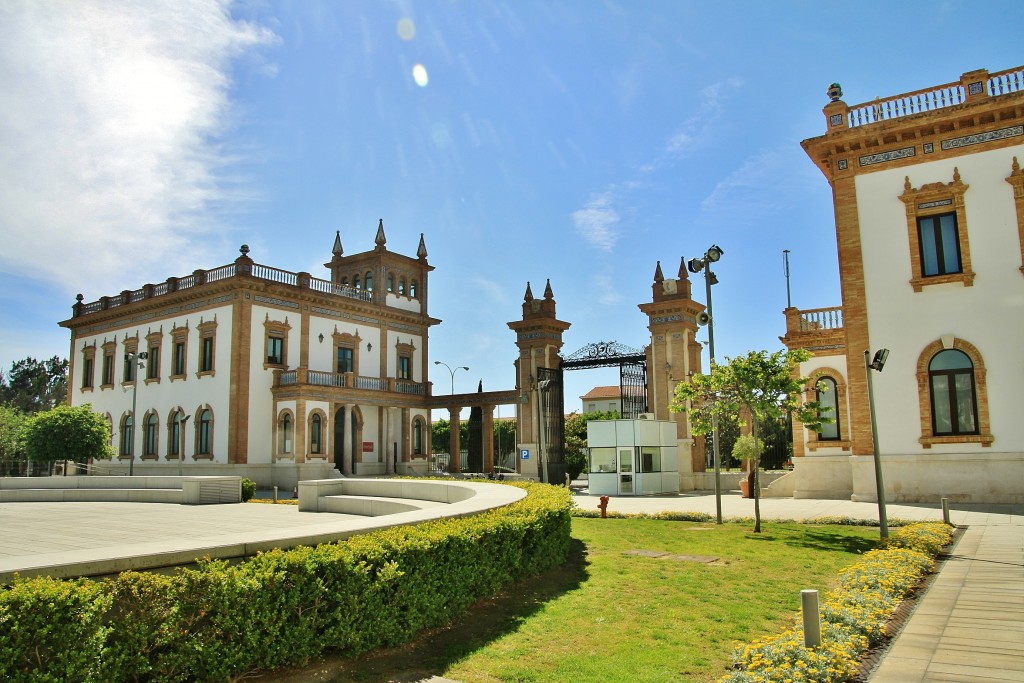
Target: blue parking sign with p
[{"x": 524, "y": 454}]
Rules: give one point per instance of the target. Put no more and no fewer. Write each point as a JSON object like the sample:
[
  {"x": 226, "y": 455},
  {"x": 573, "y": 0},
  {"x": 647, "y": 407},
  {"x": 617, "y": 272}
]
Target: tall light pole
[
  {"x": 877, "y": 364},
  {"x": 135, "y": 363},
  {"x": 181, "y": 442},
  {"x": 697, "y": 265},
  {"x": 461, "y": 367}
]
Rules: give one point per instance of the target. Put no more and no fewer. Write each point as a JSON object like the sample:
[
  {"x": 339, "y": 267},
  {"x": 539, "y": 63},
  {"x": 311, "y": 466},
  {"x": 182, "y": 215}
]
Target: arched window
[
  {"x": 413, "y": 289},
  {"x": 149, "y": 434},
  {"x": 827, "y": 396},
  {"x": 127, "y": 434},
  {"x": 368, "y": 286},
  {"x": 953, "y": 397},
  {"x": 417, "y": 436},
  {"x": 286, "y": 433},
  {"x": 391, "y": 282},
  {"x": 204, "y": 436},
  {"x": 174, "y": 429},
  {"x": 355, "y": 282},
  {"x": 316, "y": 435},
  {"x": 401, "y": 286},
  {"x": 344, "y": 280}
]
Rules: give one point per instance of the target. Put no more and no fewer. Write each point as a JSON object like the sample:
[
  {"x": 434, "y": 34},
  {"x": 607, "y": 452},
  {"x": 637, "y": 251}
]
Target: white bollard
[
  {"x": 945, "y": 511},
  {"x": 812, "y": 618},
  {"x": 275, "y": 494}
]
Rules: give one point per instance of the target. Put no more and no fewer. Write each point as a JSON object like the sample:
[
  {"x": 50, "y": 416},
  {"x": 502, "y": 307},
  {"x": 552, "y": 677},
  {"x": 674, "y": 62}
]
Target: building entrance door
[{"x": 626, "y": 473}]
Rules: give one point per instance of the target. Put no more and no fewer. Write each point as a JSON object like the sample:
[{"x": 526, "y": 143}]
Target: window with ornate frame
[
  {"x": 285, "y": 432},
  {"x": 413, "y": 289},
  {"x": 403, "y": 362},
  {"x": 88, "y": 366},
  {"x": 346, "y": 352},
  {"x": 179, "y": 353},
  {"x": 207, "y": 348},
  {"x": 127, "y": 436},
  {"x": 131, "y": 361},
  {"x": 391, "y": 282},
  {"x": 1016, "y": 180},
  {"x": 937, "y": 229},
  {"x": 150, "y": 432},
  {"x": 417, "y": 435},
  {"x": 316, "y": 434},
  {"x": 368, "y": 281},
  {"x": 153, "y": 343},
  {"x": 834, "y": 393},
  {"x": 107, "y": 379},
  {"x": 175, "y": 434},
  {"x": 276, "y": 342},
  {"x": 204, "y": 434},
  {"x": 953, "y": 394}
]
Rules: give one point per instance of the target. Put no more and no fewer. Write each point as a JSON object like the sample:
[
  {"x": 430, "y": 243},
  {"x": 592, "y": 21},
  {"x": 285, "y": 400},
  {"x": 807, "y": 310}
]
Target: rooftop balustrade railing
[{"x": 218, "y": 274}]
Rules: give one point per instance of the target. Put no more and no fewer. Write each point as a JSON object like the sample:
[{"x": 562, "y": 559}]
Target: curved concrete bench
[
  {"x": 106, "y": 489},
  {"x": 372, "y": 506}
]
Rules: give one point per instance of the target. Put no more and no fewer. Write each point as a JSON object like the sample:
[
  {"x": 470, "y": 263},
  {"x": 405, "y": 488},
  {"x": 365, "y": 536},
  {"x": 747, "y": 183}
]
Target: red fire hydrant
[{"x": 603, "y": 507}]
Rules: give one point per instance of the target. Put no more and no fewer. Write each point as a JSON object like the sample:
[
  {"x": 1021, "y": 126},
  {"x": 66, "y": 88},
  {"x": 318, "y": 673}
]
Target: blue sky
[{"x": 577, "y": 141}]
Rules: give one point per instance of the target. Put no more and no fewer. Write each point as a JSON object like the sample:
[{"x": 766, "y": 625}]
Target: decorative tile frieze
[
  {"x": 929, "y": 147},
  {"x": 843, "y": 164},
  {"x": 661, "y": 319},
  {"x": 325, "y": 311},
  {"x": 276, "y": 302},
  {"x": 940, "y": 202},
  {"x": 364, "y": 319},
  {"x": 892, "y": 155},
  {"x": 835, "y": 120},
  {"x": 975, "y": 88},
  {"x": 405, "y": 328},
  {"x": 979, "y": 138}
]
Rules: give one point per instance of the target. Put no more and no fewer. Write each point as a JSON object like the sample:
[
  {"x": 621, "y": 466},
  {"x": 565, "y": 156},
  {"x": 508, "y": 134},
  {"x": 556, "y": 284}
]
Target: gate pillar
[
  {"x": 674, "y": 355},
  {"x": 539, "y": 339}
]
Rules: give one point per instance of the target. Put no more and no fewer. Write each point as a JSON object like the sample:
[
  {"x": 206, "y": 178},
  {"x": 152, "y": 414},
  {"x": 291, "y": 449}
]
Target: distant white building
[
  {"x": 929, "y": 209},
  {"x": 263, "y": 372},
  {"x": 602, "y": 400}
]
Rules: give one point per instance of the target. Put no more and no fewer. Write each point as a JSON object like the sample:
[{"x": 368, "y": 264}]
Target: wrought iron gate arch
[{"x": 632, "y": 364}]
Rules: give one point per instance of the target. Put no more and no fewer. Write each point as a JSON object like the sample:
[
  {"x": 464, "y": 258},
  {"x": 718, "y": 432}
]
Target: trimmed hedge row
[{"x": 279, "y": 608}]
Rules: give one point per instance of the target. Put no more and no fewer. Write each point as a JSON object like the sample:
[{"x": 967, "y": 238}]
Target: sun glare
[{"x": 419, "y": 74}]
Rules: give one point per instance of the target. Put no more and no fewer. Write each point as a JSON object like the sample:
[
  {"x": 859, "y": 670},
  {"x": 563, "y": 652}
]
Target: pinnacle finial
[
  {"x": 380, "y": 240},
  {"x": 421, "y": 251},
  {"x": 658, "y": 275},
  {"x": 683, "y": 273},
  {"x": 337, "y": 250},
  {"x": 529, "y": 293},
  {"x": 548, "y": 294},
  {"x": 244, "y": 250}
]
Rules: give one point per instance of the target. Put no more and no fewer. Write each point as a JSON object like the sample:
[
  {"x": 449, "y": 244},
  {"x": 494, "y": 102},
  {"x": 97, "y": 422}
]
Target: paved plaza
[{"x": 969, "y": 626}]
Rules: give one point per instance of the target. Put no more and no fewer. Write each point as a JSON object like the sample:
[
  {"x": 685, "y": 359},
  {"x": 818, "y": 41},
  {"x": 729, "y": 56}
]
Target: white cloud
[
  {"x": 108, "y": 164},
  {"x": 695, "y": 130},
  {"x": 763, "y": 184},
  {"x": 609, "y": 291},
  {"x": 596, "y": 222}
]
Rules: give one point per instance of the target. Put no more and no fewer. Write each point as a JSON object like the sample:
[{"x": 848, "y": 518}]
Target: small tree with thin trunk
[
  {"x": 68, "y": 433},
  {"x": 767, "y": 384}
]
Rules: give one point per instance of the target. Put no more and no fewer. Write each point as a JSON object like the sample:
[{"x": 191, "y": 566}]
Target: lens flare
[
  {"x": 419, "y": 74},
  {"x": 406, "y": 28}
]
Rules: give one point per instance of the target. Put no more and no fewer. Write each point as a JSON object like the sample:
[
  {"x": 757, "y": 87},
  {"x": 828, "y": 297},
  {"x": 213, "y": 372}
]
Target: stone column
[
  {"x": 346, "y": 447},
  {"x": 487, "y": 428},
  {"x": 454, "y": 446},
  {"x": 389, "y": 439}
]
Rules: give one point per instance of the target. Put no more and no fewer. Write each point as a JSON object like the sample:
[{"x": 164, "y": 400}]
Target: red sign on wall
[{"x": 367, "y": 447}]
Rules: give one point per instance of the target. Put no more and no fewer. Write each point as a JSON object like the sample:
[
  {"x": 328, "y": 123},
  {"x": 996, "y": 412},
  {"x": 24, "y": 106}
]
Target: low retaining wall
[
  {"x": 183, "y": 490},
  {"x": 427, "y": 498}
]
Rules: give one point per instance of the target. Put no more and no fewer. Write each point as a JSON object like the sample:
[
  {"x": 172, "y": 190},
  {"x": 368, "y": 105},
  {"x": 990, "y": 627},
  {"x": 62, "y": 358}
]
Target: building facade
[
  {"x": 275, "y": 375},
  {"x": 929, "y": 209}
]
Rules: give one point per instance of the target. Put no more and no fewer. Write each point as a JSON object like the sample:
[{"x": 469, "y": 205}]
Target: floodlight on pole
[
  {"x": 450, "y": 370},
  {"x": 697, "y": 265}
]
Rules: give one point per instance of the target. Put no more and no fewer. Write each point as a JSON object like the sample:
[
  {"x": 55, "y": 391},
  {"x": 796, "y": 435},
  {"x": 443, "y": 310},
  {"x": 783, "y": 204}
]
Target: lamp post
[
  {"x": 697, "y": 265},
  {"x": 876, "y": 364},
  {"x": 461, "y": 367},
  {"x": 134, "y": 359},
  {"x": 181, "y": 442}
]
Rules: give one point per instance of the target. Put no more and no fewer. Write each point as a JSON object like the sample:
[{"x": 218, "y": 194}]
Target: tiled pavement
[{"x": 969, "y": 626}]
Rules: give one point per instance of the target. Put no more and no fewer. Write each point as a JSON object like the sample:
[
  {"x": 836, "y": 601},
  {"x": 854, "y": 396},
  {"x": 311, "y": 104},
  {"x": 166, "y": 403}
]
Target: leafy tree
[
  {"x": 504, "y": 438},
  {"x": 767, "y": 384},
  {"x": 68, "y": 433},
  {"x": 576, "y": 461},
  {"x": 32, "y": 385},
  {"x": 12, "y": 437},
  {"x": 440, "y": 432}
]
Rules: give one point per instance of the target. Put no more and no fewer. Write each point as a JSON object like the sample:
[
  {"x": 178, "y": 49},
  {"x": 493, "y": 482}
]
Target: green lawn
[{"x": 610, "y": 616}]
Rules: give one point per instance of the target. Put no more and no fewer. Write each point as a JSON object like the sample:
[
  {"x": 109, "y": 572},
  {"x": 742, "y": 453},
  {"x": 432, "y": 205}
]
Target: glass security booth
[{"x": 632, "y": 457}]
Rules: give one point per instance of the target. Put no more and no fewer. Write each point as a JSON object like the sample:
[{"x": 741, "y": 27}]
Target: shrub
[
  {"x": 854, "y": 616},
  {"x": 248, "y": 489},
  {"x": 279, "y": 608}
]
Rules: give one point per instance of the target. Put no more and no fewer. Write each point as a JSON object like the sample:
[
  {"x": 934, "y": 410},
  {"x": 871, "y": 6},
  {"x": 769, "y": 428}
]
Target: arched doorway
[{"x": 355, "y": 438}]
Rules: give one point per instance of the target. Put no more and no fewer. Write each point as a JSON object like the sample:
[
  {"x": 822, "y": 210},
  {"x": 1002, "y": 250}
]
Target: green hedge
[{"x": 279, "y": 608}]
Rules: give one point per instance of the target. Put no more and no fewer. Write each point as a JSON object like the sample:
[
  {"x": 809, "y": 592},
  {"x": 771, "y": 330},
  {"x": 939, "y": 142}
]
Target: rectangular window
[
  {"x": 108, "y": 369},
  {"x": 129, "y": 367},
  {"x": 404, "y": 367},
  {"x": 87, "y": 374},
  {"x": 179, "y": 358},
  {"x": 602, "y": 459},
  {"x": 206, "y": 357},
  {"x": 940, "y": 245},
  {"x": 275, "y": 350},
  {"x": 650, "y": 459},
  {"x": 345, "y": 357},
  {"x": 153, "y": 363}
]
